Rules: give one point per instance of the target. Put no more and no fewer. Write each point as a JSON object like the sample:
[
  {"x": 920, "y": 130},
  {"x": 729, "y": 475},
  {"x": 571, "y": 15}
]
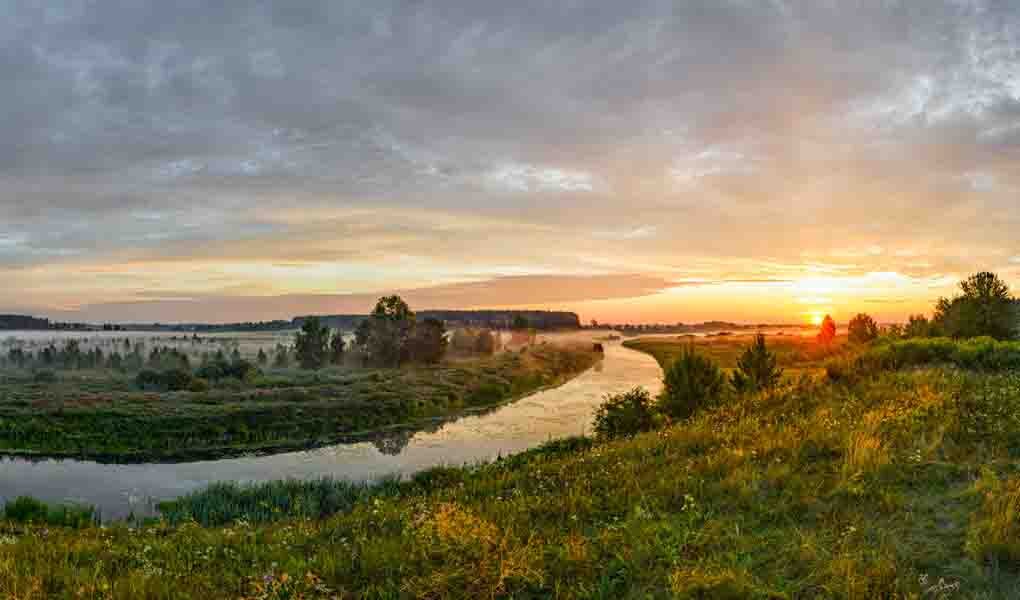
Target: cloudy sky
[{"x": 641, "y": 160}]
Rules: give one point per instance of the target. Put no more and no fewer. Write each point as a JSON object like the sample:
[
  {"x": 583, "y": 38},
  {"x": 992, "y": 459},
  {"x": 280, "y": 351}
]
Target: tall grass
[{"x": 223, "y": 503}]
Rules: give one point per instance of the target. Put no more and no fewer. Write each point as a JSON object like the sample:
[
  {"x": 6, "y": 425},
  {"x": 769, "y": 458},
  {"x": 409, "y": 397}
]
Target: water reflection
[{"x": 122, "y": 489}]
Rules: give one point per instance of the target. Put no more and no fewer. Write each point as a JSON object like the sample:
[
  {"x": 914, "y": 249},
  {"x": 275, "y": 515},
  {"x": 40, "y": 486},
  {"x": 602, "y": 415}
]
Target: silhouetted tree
[
  {"x": 985, "y": 308},
  {"x": 262, "y": 358},
  {"x": 862, "y": 329},
  {"x": 918, "y": 326},
  {"x": 828, "y": 332}
]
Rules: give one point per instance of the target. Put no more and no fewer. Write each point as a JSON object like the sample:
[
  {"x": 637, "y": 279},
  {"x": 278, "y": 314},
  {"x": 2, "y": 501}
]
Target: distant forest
[{"x": 492, "y": 319}]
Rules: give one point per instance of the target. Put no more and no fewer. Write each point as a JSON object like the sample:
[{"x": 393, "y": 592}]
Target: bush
[
  {"x": 26, "y": 509},
  {"x": 173, "y": 380},
  {"x": 44, "y": 377},
  {"x": 198, "y": 385},
  {"x": 624, "y": 415},
  {"x": 756, "y": 368},
  {"x": 691, "y": 383},
  {"x": 862, "y": 329}
]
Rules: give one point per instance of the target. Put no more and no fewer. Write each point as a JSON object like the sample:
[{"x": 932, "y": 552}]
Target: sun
[{"x": 816, "y": 318}]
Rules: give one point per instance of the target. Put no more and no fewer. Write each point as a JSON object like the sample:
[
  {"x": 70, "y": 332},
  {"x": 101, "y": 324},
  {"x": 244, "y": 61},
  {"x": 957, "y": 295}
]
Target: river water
[{"x": 120, "y": 490}]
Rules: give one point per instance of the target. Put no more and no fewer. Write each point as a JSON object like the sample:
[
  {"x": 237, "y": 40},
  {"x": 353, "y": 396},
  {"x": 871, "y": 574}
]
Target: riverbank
[
  {"x": 883, "y": 486},
  {"x": 104, "y": 420}
]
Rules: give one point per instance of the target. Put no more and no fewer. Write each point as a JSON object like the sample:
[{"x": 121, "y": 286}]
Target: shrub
[
  {"x": 624, "y": 415},
  {"x": 45, "y": 377},
  {"x": 198, "y": 385},
  {"x": 862, "y": 329},
  {"x": 173, "y": 380},
  {"x": 756, "y": 368},
  {"x": 691, "y": 383},
  {"x": 26, "y": 509}
]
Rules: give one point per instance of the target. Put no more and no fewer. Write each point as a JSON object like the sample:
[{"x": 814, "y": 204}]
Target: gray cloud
[{"x": 753, "y": 132}]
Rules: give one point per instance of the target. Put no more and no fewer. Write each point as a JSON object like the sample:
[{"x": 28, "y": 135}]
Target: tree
[
  {"x": 756, "y": 368},
  {"x": 311, "y": 344},
  {"x": 263, "y": 358},
  {"x": 281, "y": 358},
  {"x": 625, "y": 414},
  {"x": 828, "y": 332},
  {"x": 336, "y": 348},
  {"x": 385, "y": 333},
  {"x": 985, "y": 308},
  {"x": 690, "y": 383},
  {"x": 428, "y": 341},
  {"x": 918, "y": 326},
  {"x": 862, "y": 329}
]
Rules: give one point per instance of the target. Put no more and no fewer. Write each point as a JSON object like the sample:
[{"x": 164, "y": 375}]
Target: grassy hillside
[
  {"x": 901, "y": 484},
  {"x": 105, "y": 417}
]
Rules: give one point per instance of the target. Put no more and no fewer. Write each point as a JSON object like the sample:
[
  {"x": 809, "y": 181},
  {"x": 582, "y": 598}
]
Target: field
[
  {"x": 894, "y": 483},
  {"x": 101, "y": 414},
  {"x": 795, "y": 354}
]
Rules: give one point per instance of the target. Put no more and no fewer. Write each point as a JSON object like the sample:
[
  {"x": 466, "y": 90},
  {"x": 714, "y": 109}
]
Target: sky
[{"x": 645, "y": 161}]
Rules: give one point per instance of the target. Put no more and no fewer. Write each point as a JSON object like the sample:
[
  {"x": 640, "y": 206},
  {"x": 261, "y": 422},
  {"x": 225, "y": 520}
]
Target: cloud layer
[{"x": 158, "y": 151}]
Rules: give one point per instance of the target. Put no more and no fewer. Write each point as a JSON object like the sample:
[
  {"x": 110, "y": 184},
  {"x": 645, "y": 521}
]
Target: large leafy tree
[
  {"x": 311, "y": 344},
  {"x": 384, "y": 335},
  {"x": 985, "y": 308},
  {"x": 757, "y": 368}
]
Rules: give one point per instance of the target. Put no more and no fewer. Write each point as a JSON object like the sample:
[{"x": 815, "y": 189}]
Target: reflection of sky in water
[{"x": 564, "y": 411}]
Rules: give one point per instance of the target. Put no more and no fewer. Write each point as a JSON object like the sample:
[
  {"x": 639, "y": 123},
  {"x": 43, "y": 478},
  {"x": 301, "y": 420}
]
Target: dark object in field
[{"x": 597, "y": 347}]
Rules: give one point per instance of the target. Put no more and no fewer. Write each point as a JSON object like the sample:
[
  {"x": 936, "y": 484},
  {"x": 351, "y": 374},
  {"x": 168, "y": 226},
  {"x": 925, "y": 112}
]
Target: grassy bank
[
  {"x": 795, "y": 354},
  {"x": 899, "y": 484},
  {"x": 101, "y": 417}
]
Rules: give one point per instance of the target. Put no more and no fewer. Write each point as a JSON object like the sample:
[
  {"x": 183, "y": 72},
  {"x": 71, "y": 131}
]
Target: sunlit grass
[{"x": 876, "y": 488}]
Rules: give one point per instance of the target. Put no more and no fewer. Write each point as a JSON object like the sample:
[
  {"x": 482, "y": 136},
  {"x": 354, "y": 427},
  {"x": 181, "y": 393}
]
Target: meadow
[
  {"x": 896, "y": 482},
  {"x": 102, "y": 414}
]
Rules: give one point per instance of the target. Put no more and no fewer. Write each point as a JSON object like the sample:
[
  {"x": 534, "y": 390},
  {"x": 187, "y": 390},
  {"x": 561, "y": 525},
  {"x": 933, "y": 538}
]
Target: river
[{"x": 120, "y": 490}]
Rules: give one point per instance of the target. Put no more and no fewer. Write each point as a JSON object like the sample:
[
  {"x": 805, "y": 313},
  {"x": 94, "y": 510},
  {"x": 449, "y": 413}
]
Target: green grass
[
  {"x": 877, "y": 488},
  {"x": 797, "y": 355},
  {"x": 101, "y": 416}
]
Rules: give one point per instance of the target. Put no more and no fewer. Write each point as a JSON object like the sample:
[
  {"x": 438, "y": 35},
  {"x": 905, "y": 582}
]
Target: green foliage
[
  {"x": 624, "y": 415},
  {"x": 25, "y": 509},
  {"x": 311, "y": 344},
  {"x": 384, "y": 335},
  {"x": 757, "y": 368},
  {"x": 976, "y": 353},
  {"x": 691, "y": 383},
  {"x": 172, "y": 380},
  {"x": 520, "y": 323},
  {"x": 985, "y": 308},
  {"x": 243, "y": 411},
  {"x": 827, "y": 333}
]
